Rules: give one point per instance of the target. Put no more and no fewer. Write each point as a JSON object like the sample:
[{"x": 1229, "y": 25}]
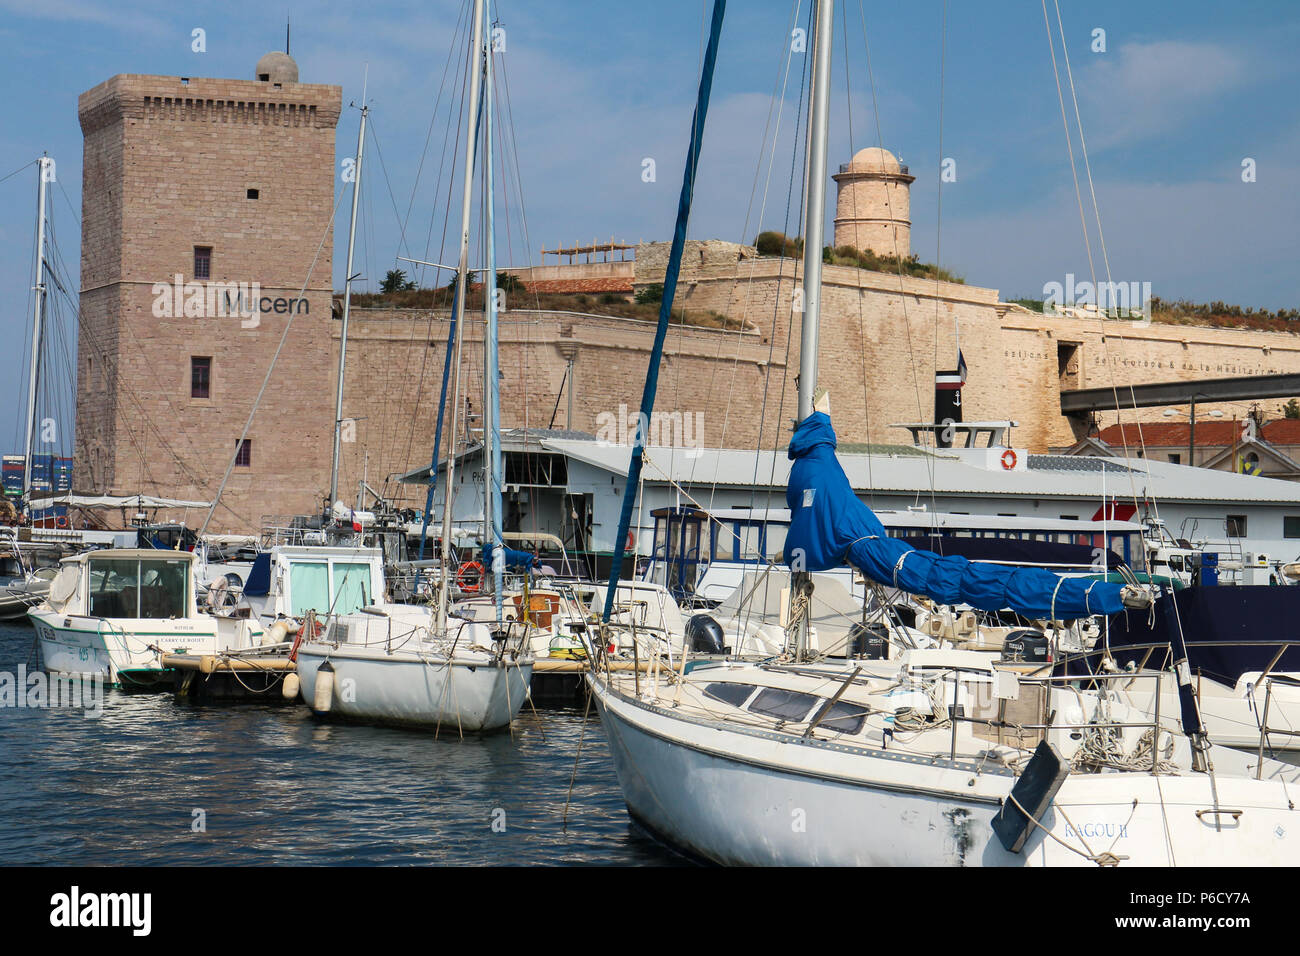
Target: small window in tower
[
  {"x": 244, "y": 456},
  {"x": 264, "y": 77},
  {"x": 203, "y": 262},
  {"x": 185, "y": 81},
  {"x": 200, "y": 376},
  {"x": 253, "y": 194}
]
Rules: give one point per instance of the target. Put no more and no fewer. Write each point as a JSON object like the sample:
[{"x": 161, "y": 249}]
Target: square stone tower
[{"x": 206, "y": 229}]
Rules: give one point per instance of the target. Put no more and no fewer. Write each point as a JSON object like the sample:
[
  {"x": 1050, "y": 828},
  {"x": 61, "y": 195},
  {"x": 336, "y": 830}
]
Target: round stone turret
[
  {"x": 873, "y": 206},
  {"x": 277, "y": 67}
]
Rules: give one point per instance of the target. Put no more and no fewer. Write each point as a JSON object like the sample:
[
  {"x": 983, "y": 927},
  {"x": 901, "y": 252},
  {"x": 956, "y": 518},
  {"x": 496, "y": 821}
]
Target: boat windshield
[{"x": 154, "y": 588}]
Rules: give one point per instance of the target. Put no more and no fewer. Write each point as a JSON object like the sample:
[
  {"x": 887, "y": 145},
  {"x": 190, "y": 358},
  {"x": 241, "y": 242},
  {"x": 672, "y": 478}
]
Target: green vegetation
[
  {"x": 650, "y": 294},
  {"x": 608, "y": 303},
  {"x": 1224, "y": 316},
  {"x": 396, "y": 281},
  {"x": 772, "y": 243}
]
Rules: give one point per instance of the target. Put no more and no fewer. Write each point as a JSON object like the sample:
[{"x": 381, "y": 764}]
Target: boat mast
[
  {"x": 814, "y": 230},
  {"x": 814, "y": 210},
  {"x": 491, "y": 385},
  {"x": 38, "y": 314},
  {"x": 347, "y": 305},
  {"x": 462, "y": 273}
]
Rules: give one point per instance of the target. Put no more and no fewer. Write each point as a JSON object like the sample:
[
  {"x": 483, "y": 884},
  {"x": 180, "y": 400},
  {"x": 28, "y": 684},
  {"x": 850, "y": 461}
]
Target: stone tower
[
  {"x": 205, "y": 227},
  {"x": 872, "y": 209}
]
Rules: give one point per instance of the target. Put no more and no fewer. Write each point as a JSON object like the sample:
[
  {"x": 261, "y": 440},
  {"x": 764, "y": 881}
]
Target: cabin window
[
  {"x": 200, "y": 376},
  {"x": 844, "y": 717},
  {"x": 351, "y": 587},
  {"x": 1236, "y": 526},
  {"x": 309, "y": 587},
  {"x": 151, "y": 589},
  {"x": 782, "y": 704},
  {"x": 733, "y": 694},
  {"x": 203, "y": 262},
  {"x": 1291, "y": 526}
]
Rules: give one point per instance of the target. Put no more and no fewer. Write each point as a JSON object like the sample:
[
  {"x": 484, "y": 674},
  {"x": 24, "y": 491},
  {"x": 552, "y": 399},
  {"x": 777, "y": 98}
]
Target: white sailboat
[
  {"x": 939, "y": 758},
  {"x": 419, "y": 666}
]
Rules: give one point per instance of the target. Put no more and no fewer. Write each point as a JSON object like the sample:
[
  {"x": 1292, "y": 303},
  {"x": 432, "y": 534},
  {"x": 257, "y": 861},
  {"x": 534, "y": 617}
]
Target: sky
[{"x": 1173, "y": 98}]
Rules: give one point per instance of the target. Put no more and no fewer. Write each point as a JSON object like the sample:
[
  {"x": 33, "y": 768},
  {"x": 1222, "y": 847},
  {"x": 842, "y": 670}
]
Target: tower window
[
  {"x": 203, "y": 262},
  {"x": 252, "y": 194},
  {"x": 200, "y": 376},
  {"x": 244, "y": 456}
]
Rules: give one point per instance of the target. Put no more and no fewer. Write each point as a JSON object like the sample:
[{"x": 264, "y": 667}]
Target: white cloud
[{"x": 1143, "y": 89}]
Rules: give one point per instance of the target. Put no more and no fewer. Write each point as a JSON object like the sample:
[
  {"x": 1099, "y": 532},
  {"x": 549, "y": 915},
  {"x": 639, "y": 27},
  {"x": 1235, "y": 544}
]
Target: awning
[{"x": 113, "y": 501}]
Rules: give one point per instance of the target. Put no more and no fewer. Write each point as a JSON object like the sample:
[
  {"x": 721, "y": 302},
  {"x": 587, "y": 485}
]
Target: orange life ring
[
  {"x": 631, "y": 541},
  {"x": 1009, "y": 459},
  {"x": 61, "y": 521},
  {"x": 464, "y": 570}
]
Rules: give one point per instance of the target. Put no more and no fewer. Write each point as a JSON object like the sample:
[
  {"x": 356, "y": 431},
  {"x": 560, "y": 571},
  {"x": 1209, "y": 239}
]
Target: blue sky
[{"x": 1181, "y": 96}]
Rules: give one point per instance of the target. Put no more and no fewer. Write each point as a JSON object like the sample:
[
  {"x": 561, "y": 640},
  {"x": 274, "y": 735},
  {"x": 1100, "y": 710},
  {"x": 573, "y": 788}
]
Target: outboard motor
[
  {"x": 704, "y": 635},
  {"x": 1025, "y": 644},
  {"x": 869, "y": 641}
]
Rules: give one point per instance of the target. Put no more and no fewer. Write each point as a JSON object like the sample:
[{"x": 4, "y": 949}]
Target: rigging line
[
  {"x": 796, "y": 143},
  {"x": 1101, "y": 239},
  {"x": 938, "y": 213},
  {"x": 862, "y": 321},
  {"x": 433, "y": 117},
  {"x": 902, "y": 289},
  {"x": 288, "y": 325},
  {"x": 30, "y": 162},
  {"x": 57, "y": 268},
  {"x": 446, "y": 220},
  {"x": 776, "y": 105}
]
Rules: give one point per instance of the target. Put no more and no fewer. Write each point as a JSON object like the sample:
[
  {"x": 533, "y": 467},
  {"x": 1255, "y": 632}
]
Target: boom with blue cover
[{"x": 830, "y": 527}]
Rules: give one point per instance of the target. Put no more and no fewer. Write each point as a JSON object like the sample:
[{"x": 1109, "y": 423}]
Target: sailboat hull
[
  {"x": 409, "y": 689},
  {"x": 756, "y": 799}
]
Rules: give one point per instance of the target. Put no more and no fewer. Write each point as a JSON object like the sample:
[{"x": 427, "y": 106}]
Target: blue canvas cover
[
  {"x": 523, "y": 560},
  {"x": 830, "y": 527}
]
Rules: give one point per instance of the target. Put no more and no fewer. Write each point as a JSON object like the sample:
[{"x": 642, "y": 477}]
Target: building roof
[
  {"x": 1048, "y": 476},
  {"x": 1281, "y": 431},
  {"x": 875, "y": 156}
]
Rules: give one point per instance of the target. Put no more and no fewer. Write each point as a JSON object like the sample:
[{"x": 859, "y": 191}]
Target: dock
[{"x": 227, "y": 677}]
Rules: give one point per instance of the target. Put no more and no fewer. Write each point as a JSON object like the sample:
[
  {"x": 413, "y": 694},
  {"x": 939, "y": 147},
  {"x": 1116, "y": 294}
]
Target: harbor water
[{"x": 154, "y": 781}]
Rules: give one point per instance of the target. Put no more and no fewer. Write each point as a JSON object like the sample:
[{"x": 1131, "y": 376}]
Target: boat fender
[
  {"x": 291, "y": 686},
  {"x": 705, "y": 635},
  {"x": 323, "y": 699}
]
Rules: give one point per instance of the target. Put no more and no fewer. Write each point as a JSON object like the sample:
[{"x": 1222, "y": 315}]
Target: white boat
[
  {"x": 415, "y": 666},
  {"x": 116, "y": 612},
  {"x": 391, "y": 665},
  {"x": 801, "y": 765}
]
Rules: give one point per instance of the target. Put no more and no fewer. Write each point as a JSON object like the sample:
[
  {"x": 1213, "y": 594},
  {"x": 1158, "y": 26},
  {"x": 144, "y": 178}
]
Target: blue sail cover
[
  {"x": 830, "y": 527},
  {"x": 523, "y": 560}
]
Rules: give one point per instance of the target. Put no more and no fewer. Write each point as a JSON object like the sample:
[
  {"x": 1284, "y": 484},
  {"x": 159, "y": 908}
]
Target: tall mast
[
  {"x": 814, "y": 212},
  {"x": 492, "y": 407},
  {"x": 814, "y": 229},
  {"x": 462, "y": 271},
  {"x": 38, "y": 313},
  {"x": 347, "y": 304}
]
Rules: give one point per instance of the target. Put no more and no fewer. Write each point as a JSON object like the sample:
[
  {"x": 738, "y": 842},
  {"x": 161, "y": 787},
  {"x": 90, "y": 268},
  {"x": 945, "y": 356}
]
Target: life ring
[
  {"x": 1009, "y": 460},
  {"x": 61, "y": 521},
  {"x": 631, "y": 541},
  {"x": 464, "y": 571}
]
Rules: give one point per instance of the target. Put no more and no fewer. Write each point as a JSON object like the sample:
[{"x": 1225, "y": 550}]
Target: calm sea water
[{"x": 275, "y": 786}]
